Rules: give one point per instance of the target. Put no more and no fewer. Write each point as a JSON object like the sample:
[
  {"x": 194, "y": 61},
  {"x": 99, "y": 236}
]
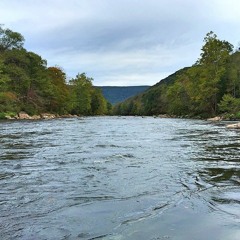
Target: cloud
[
  {"x": 121, "y": 40},
  {"x": 226, "y": 11},
  {"x": 140, "y": 66}
]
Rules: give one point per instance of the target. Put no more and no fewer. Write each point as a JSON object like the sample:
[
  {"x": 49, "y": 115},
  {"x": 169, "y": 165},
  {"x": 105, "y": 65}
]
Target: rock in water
[
  {"x": 235, "y": 125},
  {"x": 215, "y": 119}
]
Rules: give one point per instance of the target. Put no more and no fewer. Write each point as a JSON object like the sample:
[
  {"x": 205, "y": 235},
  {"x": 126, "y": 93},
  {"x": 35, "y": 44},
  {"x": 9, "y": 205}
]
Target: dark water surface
[{"x": 119, "y": 178}]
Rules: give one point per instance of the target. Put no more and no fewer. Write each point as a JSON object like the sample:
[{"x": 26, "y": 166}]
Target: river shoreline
[
  {"x": 42, "y": 116},
  {"x": 234, "y": 123}
]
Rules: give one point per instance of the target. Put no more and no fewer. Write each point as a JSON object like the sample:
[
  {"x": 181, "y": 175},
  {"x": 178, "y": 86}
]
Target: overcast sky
[{"x": 121, "y": 42}]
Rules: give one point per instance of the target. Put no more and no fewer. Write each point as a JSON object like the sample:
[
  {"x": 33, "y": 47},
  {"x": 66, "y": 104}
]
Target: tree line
[
  {"x": 209, "y": 87},
  {"x": 28, "y": 84}
]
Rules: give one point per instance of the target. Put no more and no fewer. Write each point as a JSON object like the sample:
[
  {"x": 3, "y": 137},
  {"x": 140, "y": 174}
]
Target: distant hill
[
  {"x": 150, "y": 101},
  {"x": 119, "y": 94}
]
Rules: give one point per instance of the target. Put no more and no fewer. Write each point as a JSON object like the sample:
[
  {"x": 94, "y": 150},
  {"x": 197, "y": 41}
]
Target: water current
[{"x": 119, "y": 178}]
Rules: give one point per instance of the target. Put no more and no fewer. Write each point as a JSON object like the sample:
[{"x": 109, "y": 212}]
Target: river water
[{"x": 119, "y": 178}]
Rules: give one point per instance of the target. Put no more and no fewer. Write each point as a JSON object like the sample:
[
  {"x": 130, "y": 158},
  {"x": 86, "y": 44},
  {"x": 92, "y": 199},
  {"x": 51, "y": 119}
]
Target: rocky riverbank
[
  {"x": 47, "y": 116},
  {"x": 218, "y": 119}
]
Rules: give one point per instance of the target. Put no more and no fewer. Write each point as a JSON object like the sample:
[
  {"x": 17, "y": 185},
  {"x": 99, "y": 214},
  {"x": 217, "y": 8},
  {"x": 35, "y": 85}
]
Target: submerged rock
[{"x": 18, "y": 166}]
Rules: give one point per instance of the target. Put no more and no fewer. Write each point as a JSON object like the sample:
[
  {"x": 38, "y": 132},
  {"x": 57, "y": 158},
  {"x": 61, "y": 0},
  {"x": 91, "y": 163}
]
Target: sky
[{"x": 121, "y": 42}]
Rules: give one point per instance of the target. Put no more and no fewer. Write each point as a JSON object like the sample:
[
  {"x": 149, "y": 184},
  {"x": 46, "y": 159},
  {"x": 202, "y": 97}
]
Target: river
[{"x": 119, "y": 178}]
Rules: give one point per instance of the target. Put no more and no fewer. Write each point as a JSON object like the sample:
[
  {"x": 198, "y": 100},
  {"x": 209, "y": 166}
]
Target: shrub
[
  {"x": 229, "y": 104},
  {"x": 2, "y": 115}
]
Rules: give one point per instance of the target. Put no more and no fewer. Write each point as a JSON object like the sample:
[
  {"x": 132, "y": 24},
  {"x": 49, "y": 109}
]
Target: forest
[
  {"x": 28, "y": 84},
  {"x": 210, "y": 87}
]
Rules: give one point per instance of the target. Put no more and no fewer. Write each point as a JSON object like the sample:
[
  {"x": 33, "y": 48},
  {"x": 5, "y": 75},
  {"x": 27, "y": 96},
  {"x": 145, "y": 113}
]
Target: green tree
[
  {"x": 4, "y": 78},
  {"x": 178, "y": 99},
  {"x": 229, "y": 104},
  {"x": 29, "y": 79},
  {"x": 232, "y": 79},
  {"x": 149, "y": 101},
  {"x": 213, "y": 62},
  {"x": 98, "y": 103},
  {"x": 16, "y": 67},
  {"x": 60, "y": 97},
  {"x": 8, "y": 102},
  {"x": 10, "y": 39},
  {"x": 82, "y": 92},
  {"x": 27, "y": 84},
  {"x": 40, "y": 89}
]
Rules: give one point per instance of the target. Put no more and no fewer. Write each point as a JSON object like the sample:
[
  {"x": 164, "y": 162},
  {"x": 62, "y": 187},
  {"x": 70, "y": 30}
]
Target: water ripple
[{"x": 118, "y": 178}]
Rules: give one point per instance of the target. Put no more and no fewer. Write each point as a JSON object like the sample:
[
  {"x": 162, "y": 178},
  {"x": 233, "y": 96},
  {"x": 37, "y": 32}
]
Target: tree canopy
[
  {"x": 10, "y": 39},
  {"x": 28, "y": 84},
  {"x": 211, "y": 86}
]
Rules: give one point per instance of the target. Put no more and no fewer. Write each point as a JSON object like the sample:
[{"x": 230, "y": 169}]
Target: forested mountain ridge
[
  {"x": 208, "y": 88},
  {"x": 119, "y": 94},
  {"x": 28, "y": 84}
]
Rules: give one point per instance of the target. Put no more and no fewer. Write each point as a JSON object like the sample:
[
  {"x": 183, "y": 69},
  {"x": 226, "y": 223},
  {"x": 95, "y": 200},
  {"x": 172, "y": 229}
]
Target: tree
[
  {"x": 213, "y": 59},
  {"x": 178, "y": 98},
  {"x": 4, "y": 78},
  {"x": 16, "y": 67},
  {"x": 10, "y": 40},
  {"x": 149, "y": 101},
  {"x": 214, "y": 52},
  {"x": 26, "y": 84},
  {"x": 8, "y": 102},
  {"x": 60, "y": 98},
  {"x": 232, "y": 79},
  {"x": 98, "y": 103},
  {"x": 229, "y": 104},
  {"x": 81, "y": 93}
]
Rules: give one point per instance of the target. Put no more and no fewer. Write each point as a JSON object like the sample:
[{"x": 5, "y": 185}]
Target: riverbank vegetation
[
  {"x": 210, "y": 87},
  {"x": 28, "y": 84}
]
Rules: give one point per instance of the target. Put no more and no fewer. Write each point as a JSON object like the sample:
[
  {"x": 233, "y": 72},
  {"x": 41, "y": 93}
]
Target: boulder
[
  {"x": 9, "y": 117},
  {"x": 66, "y": 116},
  {"x": 163, "y": 116},
  {"x": 23, "y": 116},
  {"x": 36, "y": 117},
  {"x": 234, "y": 126},
  {"x": 48, "y": 116},
  {"x": 215, "y": 119}
]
